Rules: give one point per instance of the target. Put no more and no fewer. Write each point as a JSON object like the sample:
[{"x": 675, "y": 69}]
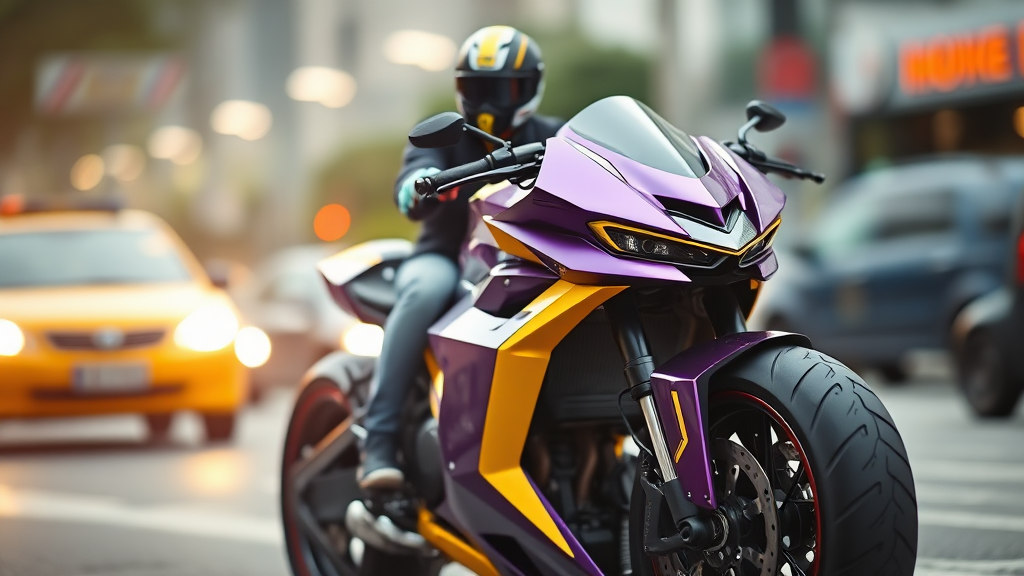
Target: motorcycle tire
[
  {"x": 990, "y": 387},
  {"x": 842, "y": 492}
]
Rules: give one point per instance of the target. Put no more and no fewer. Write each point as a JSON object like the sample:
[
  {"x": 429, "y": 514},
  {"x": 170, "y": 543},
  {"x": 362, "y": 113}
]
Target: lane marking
[
  {"x": 950, "y": 470},
  {"x": 964, "y": 494},
  {"x": 972, "y": 520},
  {"x": 950, "y": 567},
  {"x": 178, "y": 519}
]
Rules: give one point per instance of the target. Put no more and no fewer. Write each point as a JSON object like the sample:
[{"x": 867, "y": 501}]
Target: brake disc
[{"x": 733, "y": 460}]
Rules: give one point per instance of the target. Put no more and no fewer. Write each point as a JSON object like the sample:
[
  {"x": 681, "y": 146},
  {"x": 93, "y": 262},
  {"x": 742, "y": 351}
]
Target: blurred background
[{"x": 268, "y": 134}]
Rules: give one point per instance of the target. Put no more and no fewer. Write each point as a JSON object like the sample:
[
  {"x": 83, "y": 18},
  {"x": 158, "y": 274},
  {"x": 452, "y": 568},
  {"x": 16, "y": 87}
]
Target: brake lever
[{"x": 491, "y": 176}]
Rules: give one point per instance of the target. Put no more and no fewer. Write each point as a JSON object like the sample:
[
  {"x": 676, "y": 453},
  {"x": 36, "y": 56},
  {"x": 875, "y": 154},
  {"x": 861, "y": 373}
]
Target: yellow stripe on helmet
[{"x": 488, "y": 53}]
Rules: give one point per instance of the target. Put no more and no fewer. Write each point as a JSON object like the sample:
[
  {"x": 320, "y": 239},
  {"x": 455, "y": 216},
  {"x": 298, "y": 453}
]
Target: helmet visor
[{"x": 502, "y": 93}]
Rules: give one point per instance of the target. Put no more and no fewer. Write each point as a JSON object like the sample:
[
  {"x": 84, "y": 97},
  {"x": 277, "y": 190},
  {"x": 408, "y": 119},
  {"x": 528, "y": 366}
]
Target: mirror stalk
[
  {"x": 741, "y": 137},
  {"x": 484, "y": 135}
]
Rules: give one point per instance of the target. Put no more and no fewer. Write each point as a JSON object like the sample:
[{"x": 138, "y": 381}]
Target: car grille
[{"x": 85, "y": 340}]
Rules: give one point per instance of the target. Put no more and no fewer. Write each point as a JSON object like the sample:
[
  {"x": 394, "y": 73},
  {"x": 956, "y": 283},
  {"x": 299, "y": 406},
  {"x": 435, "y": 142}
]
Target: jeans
[{"x": 425, "y": 285}]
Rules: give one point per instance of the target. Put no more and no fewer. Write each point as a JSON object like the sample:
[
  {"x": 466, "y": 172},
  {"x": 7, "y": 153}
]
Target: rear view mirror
[
  {"x": 770, "y": 117},
  {"x": 444, "y": 129}
]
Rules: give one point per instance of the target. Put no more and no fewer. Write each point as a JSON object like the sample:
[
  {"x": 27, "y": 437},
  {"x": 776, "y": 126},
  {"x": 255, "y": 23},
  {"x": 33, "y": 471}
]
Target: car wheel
[
  {"x": 159, "y": 427},
  {"x": 990, "y": 389},
  {"x": 219, "y": 427},
  {"x": 893, "y": 373}
]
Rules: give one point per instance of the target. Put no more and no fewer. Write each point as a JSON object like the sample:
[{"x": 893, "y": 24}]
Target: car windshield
[
  {"x": 623, "y": 125},
  {"x": 79, "y": 257}
]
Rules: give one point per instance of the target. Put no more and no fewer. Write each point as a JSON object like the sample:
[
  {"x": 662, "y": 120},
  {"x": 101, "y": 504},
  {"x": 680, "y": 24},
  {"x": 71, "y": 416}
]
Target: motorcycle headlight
[
  {"x": 252, "y": 347},
  {"x": 12, "y": 339},
  {"x": 761, "y": 245},
  {"x": 654, "y": 246},
  {"x": 207, "y": 329}
]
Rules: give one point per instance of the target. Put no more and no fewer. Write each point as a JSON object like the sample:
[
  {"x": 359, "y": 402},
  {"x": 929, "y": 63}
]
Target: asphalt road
[{"x": 90, "y": 498}]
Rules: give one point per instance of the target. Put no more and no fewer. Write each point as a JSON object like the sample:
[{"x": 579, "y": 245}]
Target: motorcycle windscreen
[{"x": 628, "y": 127}]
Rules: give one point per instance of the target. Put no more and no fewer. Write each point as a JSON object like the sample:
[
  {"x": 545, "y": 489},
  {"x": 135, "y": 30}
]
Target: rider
[{"x": 499, "y": 83}]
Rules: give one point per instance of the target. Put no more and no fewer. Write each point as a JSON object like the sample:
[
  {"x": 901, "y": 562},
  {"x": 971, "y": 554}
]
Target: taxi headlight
[
  {"x": 363, "y": 339},
  {"x": 252, "y": 347},
  {"x": 207, "y": 329},
  {"x": 12, "y": 339}
]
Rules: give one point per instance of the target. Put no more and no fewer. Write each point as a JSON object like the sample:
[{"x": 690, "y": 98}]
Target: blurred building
[{"x": 914, "y": 78}]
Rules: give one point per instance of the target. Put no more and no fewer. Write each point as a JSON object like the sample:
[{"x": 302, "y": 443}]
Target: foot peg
[{"x": 381, "y": 533}]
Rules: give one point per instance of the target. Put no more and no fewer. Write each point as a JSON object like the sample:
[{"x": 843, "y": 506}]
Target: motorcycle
[{"x": 593, "y": 402}]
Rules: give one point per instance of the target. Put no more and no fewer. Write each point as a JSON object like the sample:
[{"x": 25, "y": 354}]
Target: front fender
[
  {"x": 680, "y": 389},
  {"x": 989, "y": 311},
  {"x": 349, "y": 372}
]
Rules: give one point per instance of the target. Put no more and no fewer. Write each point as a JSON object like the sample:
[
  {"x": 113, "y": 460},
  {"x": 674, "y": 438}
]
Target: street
[{"x": 88, "y": 497}]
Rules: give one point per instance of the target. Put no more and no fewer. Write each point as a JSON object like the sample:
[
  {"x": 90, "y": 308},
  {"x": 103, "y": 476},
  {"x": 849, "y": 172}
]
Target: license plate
[{"x": 107, "y": 378}]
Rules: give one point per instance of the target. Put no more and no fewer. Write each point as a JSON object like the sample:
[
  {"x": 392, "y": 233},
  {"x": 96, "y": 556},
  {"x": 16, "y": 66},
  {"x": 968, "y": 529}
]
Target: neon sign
[{"x": 945, "y": 63}]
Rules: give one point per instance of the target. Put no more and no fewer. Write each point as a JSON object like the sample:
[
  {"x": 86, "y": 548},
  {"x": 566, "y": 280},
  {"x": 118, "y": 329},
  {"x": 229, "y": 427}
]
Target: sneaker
[{"x": 380, "y": 469}]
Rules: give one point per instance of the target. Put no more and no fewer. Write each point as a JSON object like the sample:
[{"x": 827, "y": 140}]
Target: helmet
[{"x": 499, "y": 79}]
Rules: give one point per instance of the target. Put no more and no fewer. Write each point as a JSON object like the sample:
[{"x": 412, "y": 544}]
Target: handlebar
[
  {"x": 429, "y": 185},
  {"x": 502, "y": 164},
  {"x": 763, "y": 163}
]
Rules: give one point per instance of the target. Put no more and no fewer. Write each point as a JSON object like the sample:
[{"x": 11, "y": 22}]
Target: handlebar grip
[{"x": 428, "y": 186}]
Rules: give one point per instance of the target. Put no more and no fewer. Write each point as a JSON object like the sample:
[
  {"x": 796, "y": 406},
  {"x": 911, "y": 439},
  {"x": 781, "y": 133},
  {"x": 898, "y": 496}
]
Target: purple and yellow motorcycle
[{"x": 593, "y": 402}]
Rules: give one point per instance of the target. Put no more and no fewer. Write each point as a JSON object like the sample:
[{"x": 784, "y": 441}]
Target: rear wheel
[
  {"x": 991, "y": 389},
  {"x": 840, "y": 494}
]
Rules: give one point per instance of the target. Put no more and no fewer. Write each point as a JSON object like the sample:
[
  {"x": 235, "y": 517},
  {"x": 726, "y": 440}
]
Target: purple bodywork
[
  {"x": 688, "y": 375},
  {"x": 582, "y": 181}
]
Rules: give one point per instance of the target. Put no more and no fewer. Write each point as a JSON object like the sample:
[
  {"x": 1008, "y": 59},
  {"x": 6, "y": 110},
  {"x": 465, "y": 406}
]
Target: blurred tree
[
  {"x": 362, "y": 179},
  {"x": 578, "y": 72},
  {"x": 30, "y": 29}
]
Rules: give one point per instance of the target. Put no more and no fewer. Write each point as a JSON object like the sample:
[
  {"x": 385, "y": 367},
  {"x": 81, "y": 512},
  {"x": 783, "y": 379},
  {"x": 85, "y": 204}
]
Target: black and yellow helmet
[{"x": 499, "y": 79}]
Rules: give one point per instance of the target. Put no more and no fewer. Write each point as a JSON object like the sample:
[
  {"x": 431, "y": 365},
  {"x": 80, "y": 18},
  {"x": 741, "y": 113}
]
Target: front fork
[{"x": 696, "y": 528}]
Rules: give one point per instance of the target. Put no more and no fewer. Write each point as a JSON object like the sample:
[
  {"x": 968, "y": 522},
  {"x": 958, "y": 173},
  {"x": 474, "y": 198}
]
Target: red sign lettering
[{"x": 945, "y": 63}]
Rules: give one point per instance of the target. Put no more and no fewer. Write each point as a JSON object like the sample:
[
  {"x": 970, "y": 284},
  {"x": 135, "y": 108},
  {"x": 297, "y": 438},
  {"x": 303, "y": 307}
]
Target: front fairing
[{"x": 581, "y": 182}]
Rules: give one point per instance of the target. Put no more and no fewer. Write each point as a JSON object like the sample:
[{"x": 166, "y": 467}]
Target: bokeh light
[
  {"x": 87, "y": 172},
  {"x": 12, "y": 340},
  {"x": 252, "y": 347},
  {"x": 363, "y": 339},
  {"x": 214, "y": 473},
  {"x": 1018, "y": 121},
  {"x": 427, "y": 50},
  {"x": 175, "y": 143},
  {"x": 328, "y": 86},
  {"x": 243, "y": 118},
  {"x": 331, "y": 222},
  {"x": 124, "y": 162}
]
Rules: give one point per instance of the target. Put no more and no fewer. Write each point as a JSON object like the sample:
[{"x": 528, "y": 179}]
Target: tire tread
[{"x": 858, "y": 460}]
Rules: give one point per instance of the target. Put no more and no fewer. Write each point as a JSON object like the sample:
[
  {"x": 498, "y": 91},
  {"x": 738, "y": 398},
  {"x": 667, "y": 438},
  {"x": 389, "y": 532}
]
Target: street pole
[{"x": 668, "y": 73}]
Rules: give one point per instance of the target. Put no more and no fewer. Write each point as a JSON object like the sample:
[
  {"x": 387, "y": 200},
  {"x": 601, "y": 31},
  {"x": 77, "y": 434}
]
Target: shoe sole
[{"x": 383, "y": 479}]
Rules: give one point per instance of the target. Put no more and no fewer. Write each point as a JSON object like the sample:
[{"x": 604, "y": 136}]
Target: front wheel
[{"x": 808, "y": 468}]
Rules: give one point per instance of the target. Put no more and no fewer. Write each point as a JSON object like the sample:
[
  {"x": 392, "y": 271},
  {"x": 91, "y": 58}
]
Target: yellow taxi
[{"x": 108, "y": 312}]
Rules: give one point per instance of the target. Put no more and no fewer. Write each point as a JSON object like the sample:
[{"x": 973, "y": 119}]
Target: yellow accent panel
[
  {"x": 452, "y": 546},
  {"x": 599, "y": 229},
  {"x": 518, "y": 375},
  {"x": 523, "y": 41},
  {"x": 437, "y": 380},
  {"x": 756, "y": 287},
  {"x": 510, "y": 245},
  {"x": 485, "y": 192},
  {"x": 682, "y": 427}
]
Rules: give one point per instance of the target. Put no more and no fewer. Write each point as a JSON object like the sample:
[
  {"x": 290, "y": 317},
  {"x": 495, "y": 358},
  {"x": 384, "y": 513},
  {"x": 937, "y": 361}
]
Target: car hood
[{"x": 123, "y": 305}]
